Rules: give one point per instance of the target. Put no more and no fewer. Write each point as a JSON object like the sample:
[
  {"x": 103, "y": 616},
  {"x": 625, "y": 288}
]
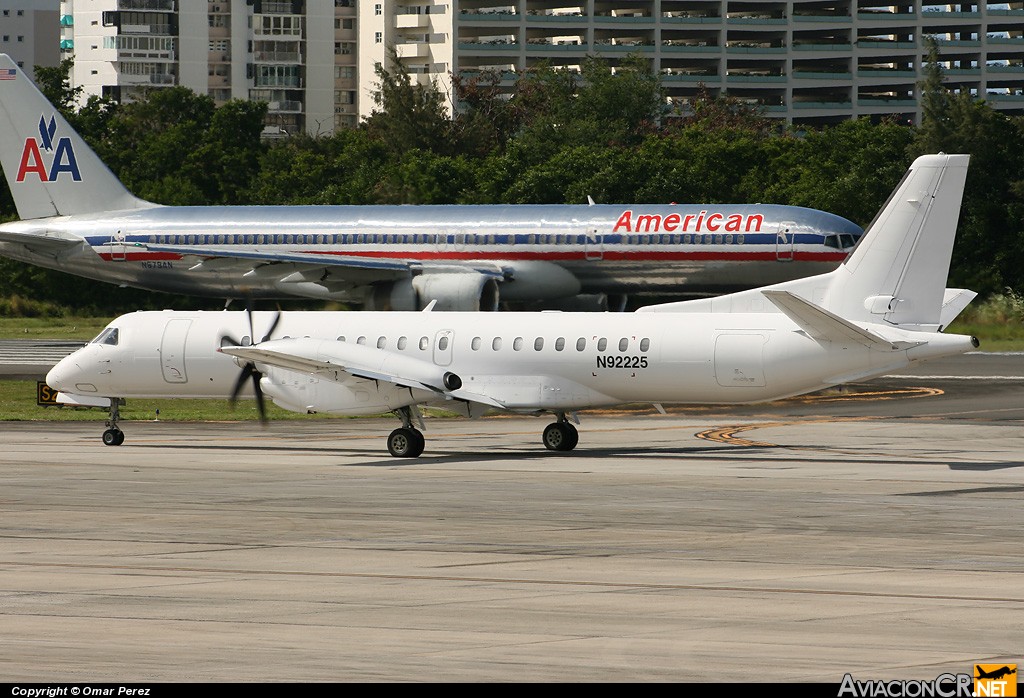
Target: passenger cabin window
[
  {"x": 403, "y": 342},
  {"x": 560, "y": 344},
  {"x": 341, "y": 338},
  {"x": 442, "y": 343},
  {"x": 581, "y": 344},
  {"x": 645, "y": 344},
  {"x": 517, "y": 344},
  {"x": 361, "y": 340},
  {"x": 538, "y": 344},
  {"x": 623, "y": 344},
  {"x": 382, "y": 342},
  {"x": 496, "y": 344},
  {"x": 602, "y": 344},
  {"x": 476, "y": 343},
  {"x": 424, "y": 343}
]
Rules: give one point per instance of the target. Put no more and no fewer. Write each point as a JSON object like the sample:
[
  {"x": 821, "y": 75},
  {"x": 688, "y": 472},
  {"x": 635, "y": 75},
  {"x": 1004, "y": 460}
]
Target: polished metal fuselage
[{"x": 234, "y": 251}]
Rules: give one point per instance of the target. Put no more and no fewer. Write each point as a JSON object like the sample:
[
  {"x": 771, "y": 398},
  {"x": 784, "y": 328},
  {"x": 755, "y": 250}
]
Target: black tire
[
  {"x": 421, "y": 443},
  {"x": 113, "y": 437},
  {"x": 406, "y": 443},
  {"x": 560, "y": 436},
  {"x": 574, "y": 436}
]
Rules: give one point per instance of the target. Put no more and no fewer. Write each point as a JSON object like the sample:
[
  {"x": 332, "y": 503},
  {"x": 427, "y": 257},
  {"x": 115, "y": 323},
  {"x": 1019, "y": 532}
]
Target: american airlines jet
[
  {"x": 77, "y": 217},
  {"x": 883, "y": 309}
]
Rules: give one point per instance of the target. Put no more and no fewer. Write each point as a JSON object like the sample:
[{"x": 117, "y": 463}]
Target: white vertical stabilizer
[
  {"x": 50, "y": 169},
  {"x": 897, "y": 273}
]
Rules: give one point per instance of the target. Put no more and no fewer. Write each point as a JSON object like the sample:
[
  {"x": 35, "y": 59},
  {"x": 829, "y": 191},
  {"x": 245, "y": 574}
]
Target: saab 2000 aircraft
[
  {"x": 881, "y": 310},
  {"x": 77, "y": 217}
]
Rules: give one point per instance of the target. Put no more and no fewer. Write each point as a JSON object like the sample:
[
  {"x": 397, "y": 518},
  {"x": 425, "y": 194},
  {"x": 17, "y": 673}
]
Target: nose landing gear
[{"x": 113, "y": 436}]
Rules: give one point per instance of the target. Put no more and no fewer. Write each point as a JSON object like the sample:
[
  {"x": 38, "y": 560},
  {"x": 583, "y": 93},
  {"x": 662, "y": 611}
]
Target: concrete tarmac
[{"x": 875, "y": 531}]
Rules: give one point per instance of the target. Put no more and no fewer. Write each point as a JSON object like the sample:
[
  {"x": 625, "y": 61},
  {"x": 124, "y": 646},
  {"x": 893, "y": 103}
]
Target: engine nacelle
[
  {"x": 451, "y": 290},
  {"x": 298, "y": 393},
  {"x": 300, "y": 390}
]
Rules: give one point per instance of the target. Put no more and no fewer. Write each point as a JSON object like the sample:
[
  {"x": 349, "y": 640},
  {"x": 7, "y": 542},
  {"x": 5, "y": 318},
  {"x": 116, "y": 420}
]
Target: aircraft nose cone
[{"x": 65, "y": 374}]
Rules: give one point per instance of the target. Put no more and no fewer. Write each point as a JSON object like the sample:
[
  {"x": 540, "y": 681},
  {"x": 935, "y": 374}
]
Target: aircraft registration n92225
[
  {"x": 883, "y": 309},
  {"x": 77, "y": 217}
]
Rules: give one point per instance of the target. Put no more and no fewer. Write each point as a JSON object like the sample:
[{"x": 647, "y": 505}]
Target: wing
[
  {"x": 324, "y": 261},
  {"x": 342, "y": 362}
]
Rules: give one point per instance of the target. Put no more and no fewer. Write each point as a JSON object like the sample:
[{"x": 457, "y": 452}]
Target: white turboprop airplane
[
  {"x": 881, "y": 310},
  {"x": 77, "y": 217}
]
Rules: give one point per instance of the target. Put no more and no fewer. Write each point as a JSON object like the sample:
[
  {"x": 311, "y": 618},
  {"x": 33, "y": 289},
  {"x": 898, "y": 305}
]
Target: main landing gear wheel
[
  {"x": 560, "y": 436},
  {"x": 406, "y": 442},
  {"x": 113, "y": 437}
]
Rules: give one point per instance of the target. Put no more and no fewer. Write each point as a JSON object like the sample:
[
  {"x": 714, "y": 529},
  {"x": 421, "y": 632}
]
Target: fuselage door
[
  {"x": 117, "y": 247},
  {"x": 443, "y": 342},
  {"x": 785, "y": 241},
  {"x": 739, "y": 360},
  {"x": 172, "y": 351},
  {"x": 594, "y": 245}
]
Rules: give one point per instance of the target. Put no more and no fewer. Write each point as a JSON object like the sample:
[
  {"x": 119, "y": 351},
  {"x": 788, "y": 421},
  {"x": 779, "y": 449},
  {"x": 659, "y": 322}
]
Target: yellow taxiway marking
[{"x": 728, "y": 435}]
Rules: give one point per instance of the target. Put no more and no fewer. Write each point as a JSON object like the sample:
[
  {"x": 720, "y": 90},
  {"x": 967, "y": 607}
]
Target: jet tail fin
[
  {"x": 896, "y": 274},
  {"x": 50, "y": 169}
]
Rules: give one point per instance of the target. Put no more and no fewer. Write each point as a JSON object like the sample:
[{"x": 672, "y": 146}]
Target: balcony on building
[
  {"x": 832, "y": 68},
  {"x": 755, "y": 71},
  {"x": 756, "y": 13},
  {"x": 690, "y": 41},
  {"x": 133, "y": 22},
  {"x": 822, "y": 12},
  {"x": 886, "y": 12},
  {"x": 154, "y": 5},
  {"x": 623, "y": 10},
  {"x": 683, "y": 12}
]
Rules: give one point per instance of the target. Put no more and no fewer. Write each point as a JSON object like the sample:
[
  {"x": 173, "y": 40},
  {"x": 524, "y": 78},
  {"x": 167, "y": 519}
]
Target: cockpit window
[
  {"x": 107, "y": 336},
  {"x": 842, "y": 241}
]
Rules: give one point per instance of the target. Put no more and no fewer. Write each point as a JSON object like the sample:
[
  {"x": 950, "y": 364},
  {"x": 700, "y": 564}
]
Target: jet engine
[{"x": 452, "y": 291}]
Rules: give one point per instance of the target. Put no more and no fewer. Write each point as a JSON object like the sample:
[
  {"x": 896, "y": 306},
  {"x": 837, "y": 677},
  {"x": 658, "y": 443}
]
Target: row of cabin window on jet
[{"x": 460, "y": 239}]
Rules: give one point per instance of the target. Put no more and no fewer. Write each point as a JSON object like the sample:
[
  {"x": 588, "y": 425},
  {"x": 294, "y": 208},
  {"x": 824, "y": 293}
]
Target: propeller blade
[
  {"x": 273, "y": 326},
  {"x": 260, "y": 401},
  {"x": 248, "y": 311},
  {"x": 247, "y": 370}
]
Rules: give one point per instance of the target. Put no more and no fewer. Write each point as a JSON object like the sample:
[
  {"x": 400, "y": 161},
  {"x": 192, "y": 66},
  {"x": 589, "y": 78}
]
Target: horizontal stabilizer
[
  {"x": 953, "y": 303},
  {"x": 50, "y": 240},
  {"x": 828, "y": 327}
]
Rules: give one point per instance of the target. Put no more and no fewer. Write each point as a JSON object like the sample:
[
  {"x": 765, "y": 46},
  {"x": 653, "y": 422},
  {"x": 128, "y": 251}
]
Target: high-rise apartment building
[
  {"x": 814, "y": 61},
  {"x": 296, "y": 55},
  {"x": 314, "y": 61},
  {"x": 30, "y": 31}
]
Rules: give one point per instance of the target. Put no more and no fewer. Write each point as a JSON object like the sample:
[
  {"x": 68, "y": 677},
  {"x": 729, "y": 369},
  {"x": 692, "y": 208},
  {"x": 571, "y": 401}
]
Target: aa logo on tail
[{"x": 61, "y": 158}]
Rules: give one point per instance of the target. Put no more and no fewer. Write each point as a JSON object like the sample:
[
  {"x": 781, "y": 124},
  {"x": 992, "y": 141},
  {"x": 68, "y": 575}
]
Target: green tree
[
  {"x": 410, "y": 114},
  {"x": 989, "y": 251}
]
